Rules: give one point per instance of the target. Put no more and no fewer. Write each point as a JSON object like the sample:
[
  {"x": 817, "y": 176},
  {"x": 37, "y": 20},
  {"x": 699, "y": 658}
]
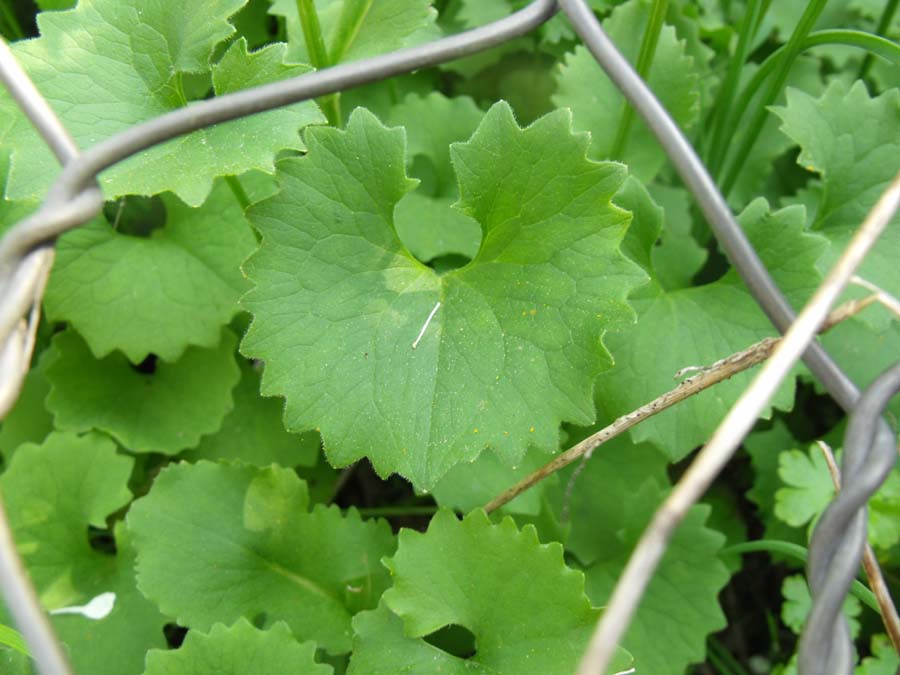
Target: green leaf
[
  {"x": 425, "y": 220},
  {"x": 240, "y": 650},
  {"x": 797, "y": 603},
  {"x": 600, "y": 497},
  {"x": 12, "y": 639},
  {"x": 697, "y": 326},
  {"x": 29, "y": 420},
  {"x": 765, "y": 448},
  {"x": 109, "y": 64},
  {"x": 253, "y": 431},
  {"x": 809, "y": 487},
  {"x": 884, "y": 659},
  {"x": 372, "y": 27},
  {"x": 526, "y": 609},
  {"x": 597, "y": 104},
  {"x": 158, "y": 294},
  {"x": 272, "y": 560},
  {"x": 165, "y": 411},
  {"x": 513, "y": 348},
  {"x": 855, "y": 160},
  {"x": 468, "y": 486},
  {"x": 611, "y": 503},
  {"x": 53, "y": 492}
]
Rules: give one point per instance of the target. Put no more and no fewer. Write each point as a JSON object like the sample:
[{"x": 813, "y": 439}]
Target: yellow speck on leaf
[
  {"x": 531, "y": 430},
  {"x": 533, "y": 312},
  {"x": 475, "y": 430}
]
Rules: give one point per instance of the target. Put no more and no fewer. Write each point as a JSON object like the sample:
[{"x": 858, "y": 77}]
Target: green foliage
[
  {"x": 466, "y": 271},
  {"x": 526, "y": 609},
  {"x": 273, "y": 559},
  {"x": 108, "y": 64},
  {"x": 409, "y": 411},
  {"x": 241, "y": 650}
]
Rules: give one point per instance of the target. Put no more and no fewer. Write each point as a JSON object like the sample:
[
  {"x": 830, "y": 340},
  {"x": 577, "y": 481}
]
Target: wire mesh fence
[{"x": 26, "y": 256}]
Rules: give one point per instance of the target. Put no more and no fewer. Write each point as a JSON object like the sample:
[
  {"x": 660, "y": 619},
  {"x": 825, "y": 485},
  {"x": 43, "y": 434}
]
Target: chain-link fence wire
[{"x": 74, "y": 198}]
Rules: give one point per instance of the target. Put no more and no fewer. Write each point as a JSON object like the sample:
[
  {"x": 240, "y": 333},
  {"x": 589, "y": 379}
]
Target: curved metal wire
[{"x": 840, "y": 535}]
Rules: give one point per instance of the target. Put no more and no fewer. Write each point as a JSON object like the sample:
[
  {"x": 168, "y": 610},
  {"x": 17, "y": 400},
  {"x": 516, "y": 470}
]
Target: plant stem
[
  {"x": 724, "y": 100},
  {"x": 238, "y": 191},
  {"x": 318, "y": 56},
  {"x": 791, "y": 50},
  {"x": 644, "y": 62},
  {"x": 866, "y": 596},
  {"x": 884, "y": 23}
]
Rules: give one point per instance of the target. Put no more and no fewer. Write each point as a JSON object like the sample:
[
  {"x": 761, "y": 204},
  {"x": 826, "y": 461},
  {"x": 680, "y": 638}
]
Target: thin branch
[
  {"x": 885, "y": 298},
  {"x": 708, "y": 376},
  {"x": 737, "y": 423},
  {"x": 870, "y": 564}
]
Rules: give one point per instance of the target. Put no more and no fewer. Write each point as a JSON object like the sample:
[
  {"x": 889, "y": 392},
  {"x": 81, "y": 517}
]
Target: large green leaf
[
  {"x": 597, "y": 104},
  {"x": 697, "y": 326},
  {"x": 242, "y": 543},
  {"x": 526, "y": 609},
  {"x": 109, "y": 64},
  {"x": 238, "y": 650},
  {"x": 512, "y": 349},
  {"x": 165, "y": 411},
  {"x": 853, "y": 142},
  {"x": 53, "y": 492},
  {"x": 157, "y": 294}
]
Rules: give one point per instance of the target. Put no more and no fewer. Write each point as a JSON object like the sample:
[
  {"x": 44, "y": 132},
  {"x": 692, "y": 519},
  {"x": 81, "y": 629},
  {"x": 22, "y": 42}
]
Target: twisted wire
[{"x": 840, "y": 535}]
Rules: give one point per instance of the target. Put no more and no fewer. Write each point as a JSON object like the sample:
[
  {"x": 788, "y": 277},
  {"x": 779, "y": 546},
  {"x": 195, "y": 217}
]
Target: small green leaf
[
  {"x": 165, "y": 411},
  {"x": 425, "y": 219},
  {"x": 241, "y": 650},
  {"x": 253, "y": 432},
  {"x": 883, "y": 661},
  {"x": 526, "y": 609},
  {"x": 797, "y": 603},
  {"x": 512, "y": 349},
  {"x": 158, "y": 294},
  {"x": 242, "y": 543},
  {"x": 808, "y": 486}
]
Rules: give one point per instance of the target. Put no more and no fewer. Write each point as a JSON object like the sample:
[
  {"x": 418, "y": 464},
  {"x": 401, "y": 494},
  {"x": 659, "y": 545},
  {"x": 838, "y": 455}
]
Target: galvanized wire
[
  {"x": 870, "y": 451},
  {"x": 74, "y": 199}
]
